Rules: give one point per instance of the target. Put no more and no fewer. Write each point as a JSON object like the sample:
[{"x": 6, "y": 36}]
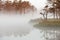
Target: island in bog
[{"x": 29, "y": 19}]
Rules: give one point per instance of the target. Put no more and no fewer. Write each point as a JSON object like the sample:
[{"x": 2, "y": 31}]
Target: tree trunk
[
  {"x": 59, "y": 15},
  {"x": 46, "y": 15},
  {"x": 54, "y": 15},
  {"x": 24, "y": 10}
]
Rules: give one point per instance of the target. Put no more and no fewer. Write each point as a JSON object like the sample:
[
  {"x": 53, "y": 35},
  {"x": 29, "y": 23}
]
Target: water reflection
[
  {"x": 18, "y": 28},
  {"x": 49, "y": 33},
  {"x": 36, "y": 34}
]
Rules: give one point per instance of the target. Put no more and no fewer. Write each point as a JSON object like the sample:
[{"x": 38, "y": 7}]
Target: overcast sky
[{"x": 38, "y": 3}]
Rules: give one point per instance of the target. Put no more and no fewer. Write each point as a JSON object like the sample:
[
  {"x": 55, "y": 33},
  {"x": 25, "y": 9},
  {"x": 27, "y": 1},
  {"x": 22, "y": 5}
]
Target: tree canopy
[
  {"x": 20, "y": 6},
  {"x": 55, "y": 9}
]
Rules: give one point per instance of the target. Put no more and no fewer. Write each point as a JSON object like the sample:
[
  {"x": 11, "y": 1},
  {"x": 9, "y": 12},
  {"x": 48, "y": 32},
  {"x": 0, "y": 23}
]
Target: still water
[{"x": 17, "y": 27}]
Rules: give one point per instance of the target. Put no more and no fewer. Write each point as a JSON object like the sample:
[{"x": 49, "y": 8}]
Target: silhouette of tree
[
  {"x": 25, "y": 6},
  {"x": 1, "y": 5},
  {"x": 8, "y": 5},
  {"x": 45, "y": 10},
  {"x": 55, "y": 9},
  {"x": 52, "y": 10}
]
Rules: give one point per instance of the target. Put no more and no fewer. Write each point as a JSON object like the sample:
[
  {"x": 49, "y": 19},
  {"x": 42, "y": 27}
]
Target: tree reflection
[{"x": 51, "y": 35}]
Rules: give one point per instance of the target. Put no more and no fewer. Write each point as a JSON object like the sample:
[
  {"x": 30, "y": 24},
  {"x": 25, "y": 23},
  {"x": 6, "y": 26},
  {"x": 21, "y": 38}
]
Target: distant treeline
[{"x": 20, "y": 6}]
